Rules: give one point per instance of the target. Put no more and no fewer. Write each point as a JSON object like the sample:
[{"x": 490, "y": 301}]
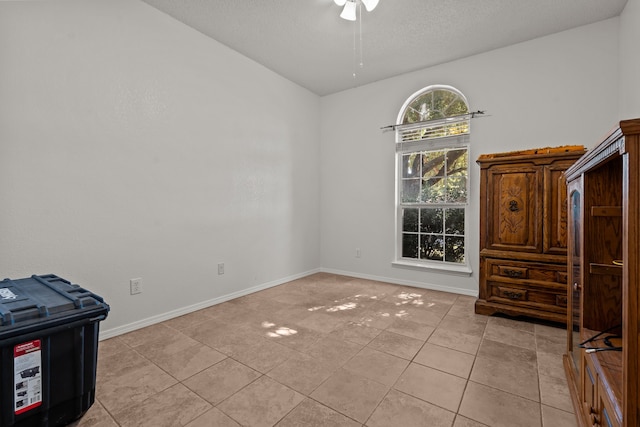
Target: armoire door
[
  {"x": 514, "y": 208},
  {"x": 555, "y": 207}
]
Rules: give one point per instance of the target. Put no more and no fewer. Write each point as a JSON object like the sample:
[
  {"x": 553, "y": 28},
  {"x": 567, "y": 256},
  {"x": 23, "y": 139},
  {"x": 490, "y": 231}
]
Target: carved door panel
[
  {"x": 555, "y": 206},
  {"x": 514, "y": 208}
]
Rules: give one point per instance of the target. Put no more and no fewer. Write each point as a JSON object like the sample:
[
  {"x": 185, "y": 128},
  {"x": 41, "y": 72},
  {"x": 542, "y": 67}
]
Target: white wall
[
  {"x": 545, "y": 92},
  {"x": 630, "y": 61},
  {"x": 132, "y": 146}
]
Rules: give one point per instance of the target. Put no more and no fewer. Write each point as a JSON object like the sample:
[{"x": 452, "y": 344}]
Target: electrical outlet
[
  {"x": 221, "y": 268},
  {"x": 358, "y": 253},
  {"x": 135, "y": 286}
]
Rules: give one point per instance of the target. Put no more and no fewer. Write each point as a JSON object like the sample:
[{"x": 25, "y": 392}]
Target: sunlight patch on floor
[
  {"x": 279, "y": 331},
  {"x": 342, "y": 307},
  {"x": 413, "y": 299}
]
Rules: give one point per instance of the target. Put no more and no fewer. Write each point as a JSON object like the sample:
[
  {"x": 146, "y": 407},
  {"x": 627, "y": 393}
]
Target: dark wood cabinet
[
  {"x": 523, "y": 232},
  {"x": 603, "y": 297}
]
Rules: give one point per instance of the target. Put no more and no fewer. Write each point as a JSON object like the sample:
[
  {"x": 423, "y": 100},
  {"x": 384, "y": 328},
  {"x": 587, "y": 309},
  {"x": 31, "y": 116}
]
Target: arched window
[
  {"x": 444, "y": 107},
  {"x": 432, "y": 149}
]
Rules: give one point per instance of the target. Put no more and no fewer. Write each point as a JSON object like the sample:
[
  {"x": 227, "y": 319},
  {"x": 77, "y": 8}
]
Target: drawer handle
[
  {"x": 513, "y": 206},
  {"x": 512, "y": 295},
  {"x": 512, "y": 273}
]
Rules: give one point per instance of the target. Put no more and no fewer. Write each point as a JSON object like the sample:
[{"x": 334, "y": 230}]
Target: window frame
[{"x": 460, "y": 141}]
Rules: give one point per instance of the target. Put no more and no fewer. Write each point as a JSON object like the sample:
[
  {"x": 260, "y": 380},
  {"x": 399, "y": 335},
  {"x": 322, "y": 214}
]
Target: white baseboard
[
  {"x": 422, "y": 285},
  {"x": 114, "y": 332}
]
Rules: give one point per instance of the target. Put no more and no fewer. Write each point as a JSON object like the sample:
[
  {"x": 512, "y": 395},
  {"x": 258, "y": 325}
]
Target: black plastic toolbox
[{"x": 49, "y": 350}]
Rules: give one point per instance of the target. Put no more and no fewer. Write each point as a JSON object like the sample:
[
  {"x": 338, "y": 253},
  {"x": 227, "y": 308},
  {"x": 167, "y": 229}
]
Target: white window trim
[
  {"x": 461, "y": 269},
  {"x": 461, "y": 141},
  {"x": 424, "y": 145}
]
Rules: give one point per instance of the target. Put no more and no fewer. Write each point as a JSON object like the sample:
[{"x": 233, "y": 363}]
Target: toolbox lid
[{"x": 38, "y": 299}]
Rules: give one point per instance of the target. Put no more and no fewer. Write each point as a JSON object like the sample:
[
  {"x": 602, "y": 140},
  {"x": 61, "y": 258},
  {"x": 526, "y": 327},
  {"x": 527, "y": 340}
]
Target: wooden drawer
[
  {"x": 532, "y": 285},
  {"x": 512, "y": 271},
  {"x": 530, "y": 296},
  {"x": 530, "y": 271},
  {"x": 513, "y": 294}
]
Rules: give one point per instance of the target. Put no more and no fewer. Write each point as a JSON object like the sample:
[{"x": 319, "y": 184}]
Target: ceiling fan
[{"x": 350, "y": 7}]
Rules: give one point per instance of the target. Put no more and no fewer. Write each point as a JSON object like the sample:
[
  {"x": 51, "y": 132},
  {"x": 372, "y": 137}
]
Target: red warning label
[{"x": 27, "y": 369}]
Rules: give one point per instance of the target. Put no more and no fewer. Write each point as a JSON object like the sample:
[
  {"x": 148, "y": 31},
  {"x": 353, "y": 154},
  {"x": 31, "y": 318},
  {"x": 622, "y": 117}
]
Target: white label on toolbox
[
  {"x": 5, "y": 293},
  {"x": 27, "y": 370}
]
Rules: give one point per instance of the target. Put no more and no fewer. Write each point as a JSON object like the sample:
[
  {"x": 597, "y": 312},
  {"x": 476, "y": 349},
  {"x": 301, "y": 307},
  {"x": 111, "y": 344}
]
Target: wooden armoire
[
  {"x": 603, "y": 341},
  {"x": 523, "y": 232}
]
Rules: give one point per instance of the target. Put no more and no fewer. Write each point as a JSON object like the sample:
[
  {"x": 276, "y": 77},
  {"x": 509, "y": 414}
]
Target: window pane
[
  {"x": 454, "y": 249},
  {"x": 433, "y": 164},
  {"x": 457, "y": 161},
  {"x": 431, "y": 247},
  {"x": 411, "y": 115},
  {"x": 431, "y": 221},
  {"x": 442, "y": 99},
  {"x": 456, "y": 108},
  {"x": 434, "y": 115},
  {"x": 421, "y": 109},
  {"x": 410, "y": 220},
  {"x": 410, "y": 190},
  {"x": 409, "y": 245},
  {"x": 411, "y": 165},
  {"x": 454, "y": 221},
  {"x": 457, "y": 189},
  {"x": 457, "y": 167},
  {"x": 434, "y": 190}
]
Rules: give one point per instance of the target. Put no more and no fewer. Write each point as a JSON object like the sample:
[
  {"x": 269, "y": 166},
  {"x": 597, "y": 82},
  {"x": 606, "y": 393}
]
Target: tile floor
[{"x": 331, "y": 350}]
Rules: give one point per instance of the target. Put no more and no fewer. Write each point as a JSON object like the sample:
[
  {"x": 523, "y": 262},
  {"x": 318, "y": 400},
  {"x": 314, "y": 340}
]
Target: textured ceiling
[{"x": 306, "y": 41}]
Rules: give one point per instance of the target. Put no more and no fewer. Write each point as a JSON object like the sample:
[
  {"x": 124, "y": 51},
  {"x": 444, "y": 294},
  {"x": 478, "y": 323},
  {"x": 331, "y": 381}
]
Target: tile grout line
[{"x": 361, "y": 346}]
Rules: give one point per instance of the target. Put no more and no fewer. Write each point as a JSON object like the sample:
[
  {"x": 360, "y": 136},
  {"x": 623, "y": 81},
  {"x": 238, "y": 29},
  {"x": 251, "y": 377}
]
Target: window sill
[{"x": 462, "y": 270}]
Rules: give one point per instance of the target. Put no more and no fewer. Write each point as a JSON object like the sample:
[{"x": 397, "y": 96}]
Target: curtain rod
[{"x": 472, "y": 115}]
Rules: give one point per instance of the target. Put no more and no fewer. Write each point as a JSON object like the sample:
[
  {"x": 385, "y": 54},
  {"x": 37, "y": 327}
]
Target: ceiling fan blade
[
  {"x": 370, "y": 4},
  {"x": 349, "y": 11}
]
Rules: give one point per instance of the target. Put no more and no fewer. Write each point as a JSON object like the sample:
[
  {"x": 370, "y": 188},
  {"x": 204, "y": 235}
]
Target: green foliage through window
[
  {"x": 433, "y": 234},
  {"x": 435, "y": 176}
]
